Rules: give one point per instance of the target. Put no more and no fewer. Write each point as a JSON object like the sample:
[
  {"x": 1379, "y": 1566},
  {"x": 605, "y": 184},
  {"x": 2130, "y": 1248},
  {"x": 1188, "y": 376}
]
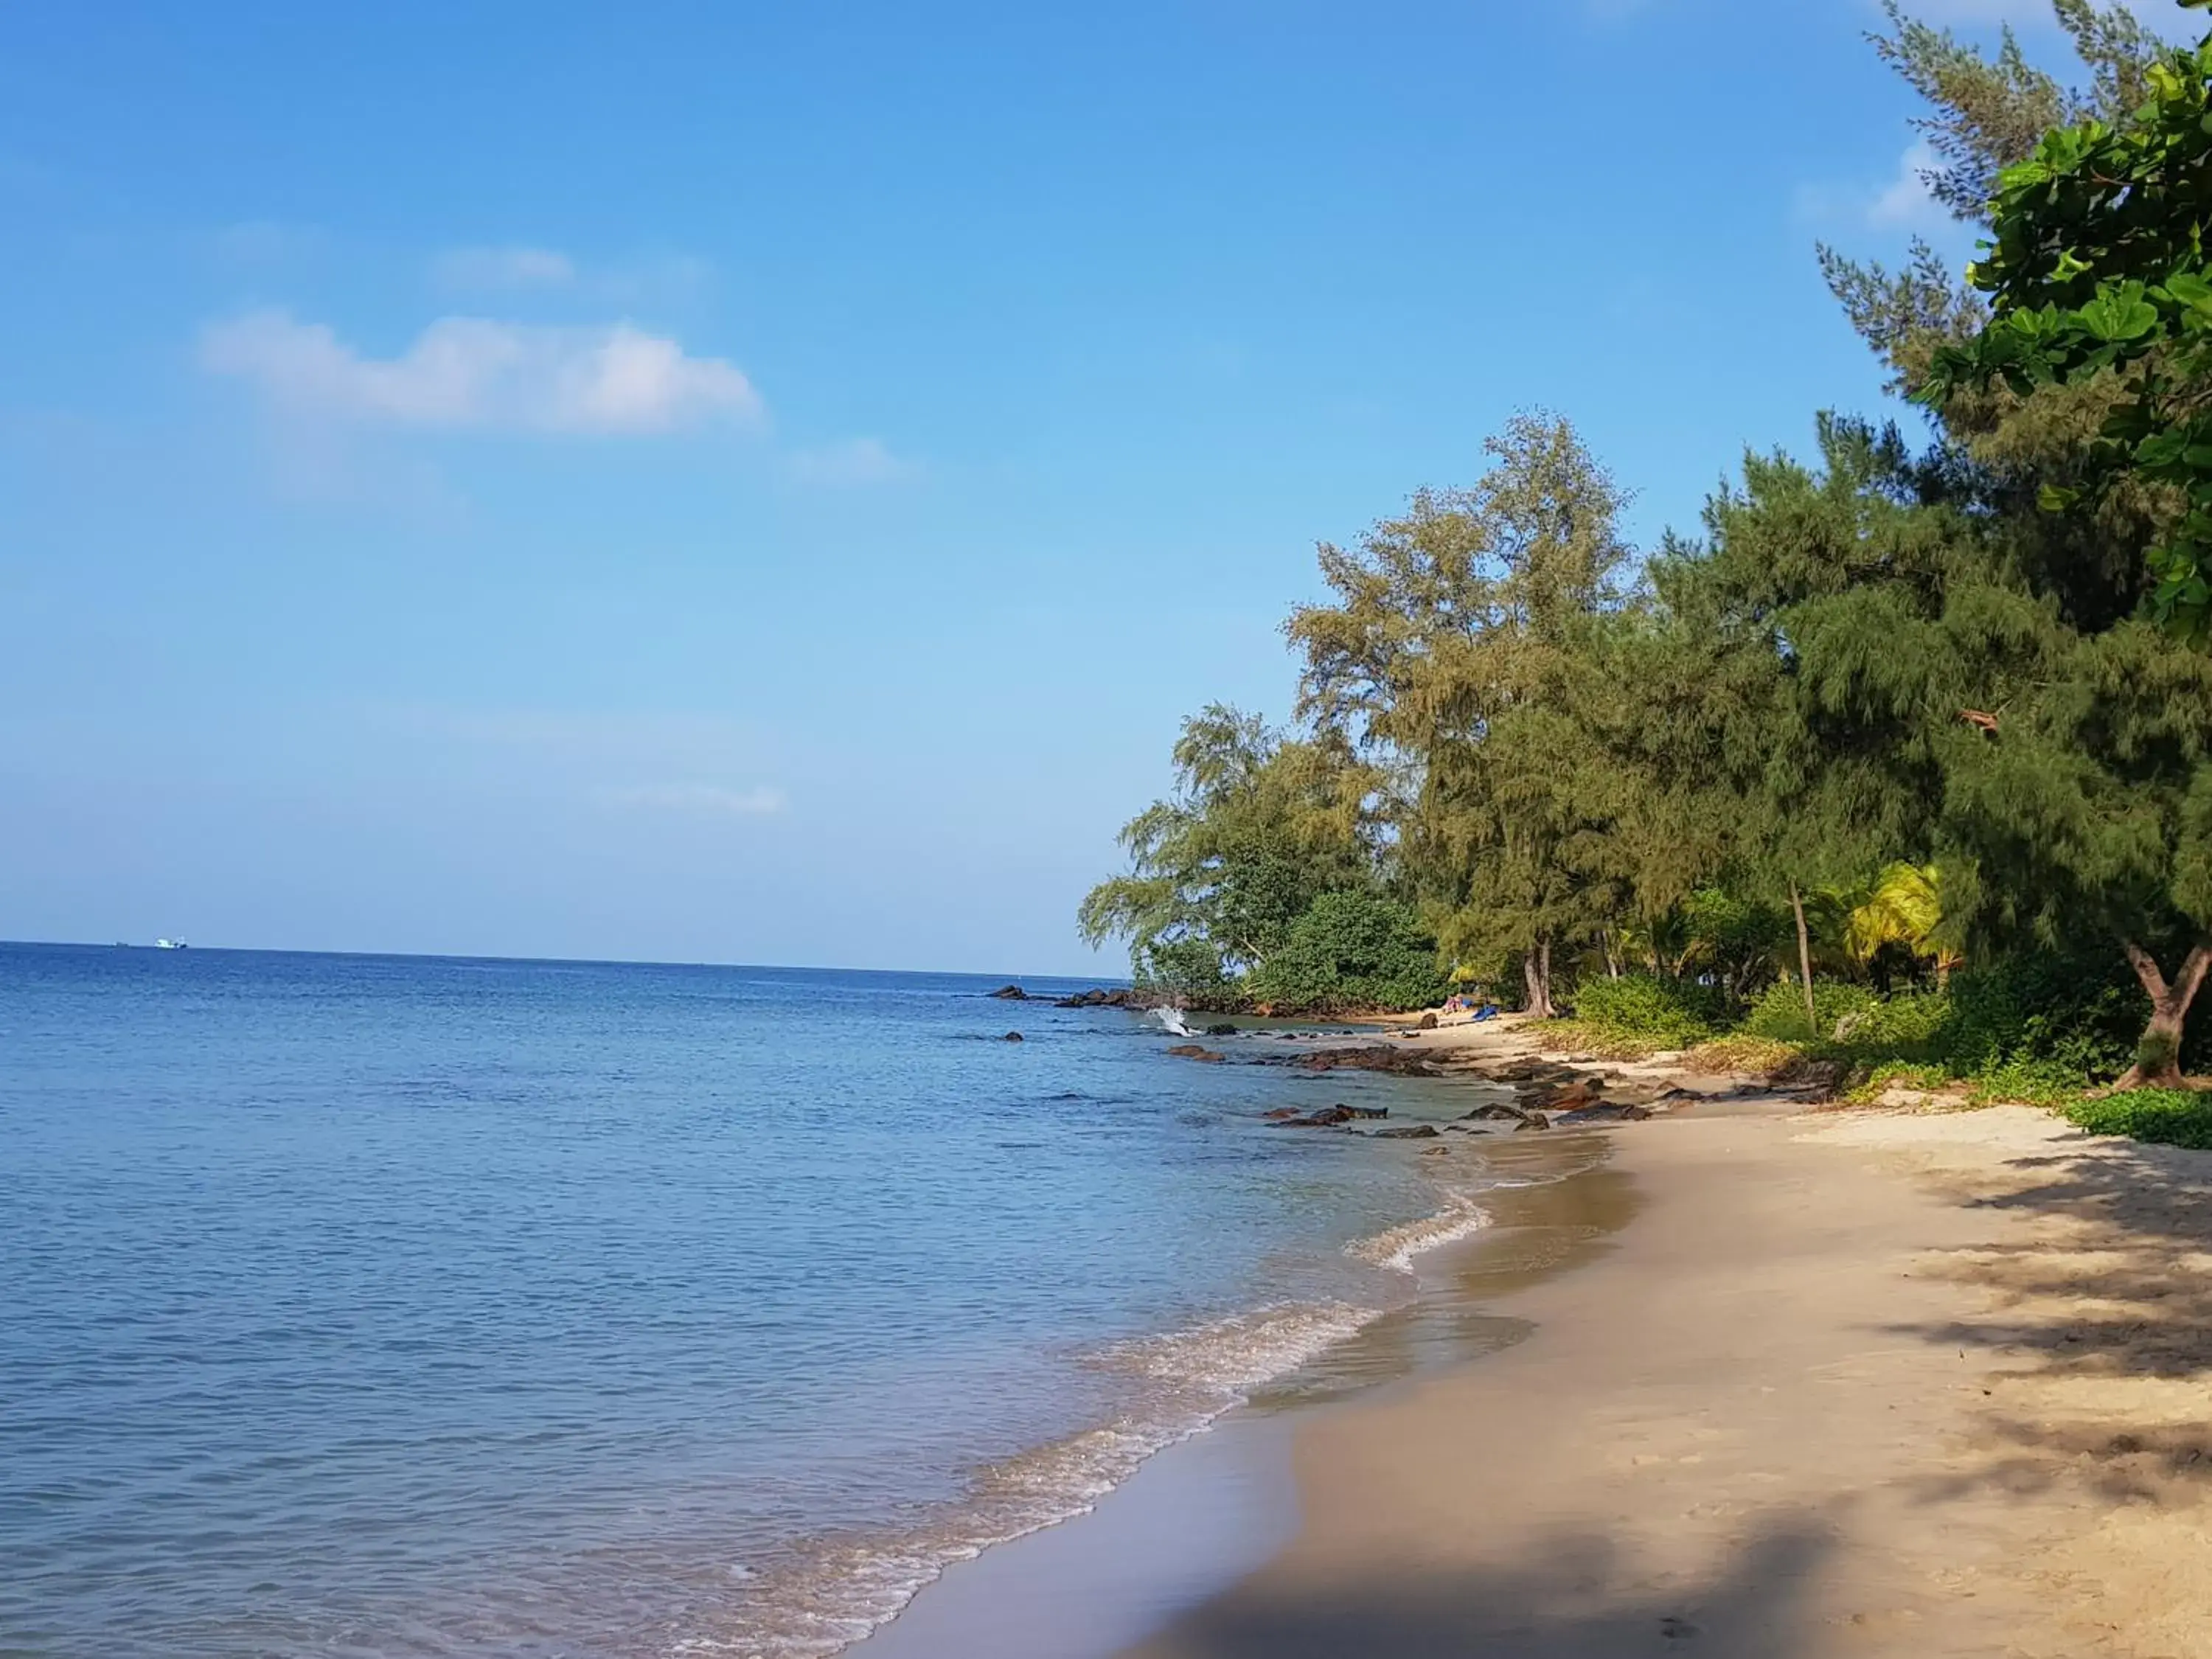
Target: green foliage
[
  {"x": 2172, "y": 1117},
  {"x": 1352, "y": 950},
  {"x": 1257, "y": 828},
  {"x": 1458, "y": 652},
  {"x": 2098, "y": 266},
  {"x": 1186, "y": 966},
  {"x": 1778, "y": 1013},
  {"x": 2080, "y": 1015},
  {"x": 1924, "y": 696},
  {"x": 1674, "y": 1013},
  {"x": 1912, "y": 1023}
]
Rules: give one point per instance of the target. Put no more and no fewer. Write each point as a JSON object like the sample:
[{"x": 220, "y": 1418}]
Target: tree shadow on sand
[
  {"x": 2110, "y": 1296},
  {"x": 1573, "y": 1597}
]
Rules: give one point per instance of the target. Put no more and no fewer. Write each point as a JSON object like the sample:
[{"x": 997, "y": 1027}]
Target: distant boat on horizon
[{"x": 171, "y": 945}]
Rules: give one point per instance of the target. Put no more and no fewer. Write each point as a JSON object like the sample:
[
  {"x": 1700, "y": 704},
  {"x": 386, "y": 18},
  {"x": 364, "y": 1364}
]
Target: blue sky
[{"x": 763, "y": 483}]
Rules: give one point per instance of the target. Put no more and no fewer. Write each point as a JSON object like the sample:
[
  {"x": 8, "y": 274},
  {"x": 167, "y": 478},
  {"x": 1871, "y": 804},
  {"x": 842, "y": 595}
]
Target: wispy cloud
[
  {"x": 1901, "y": 204},
  {"x": 1904, "y": 202},
  {"x": 856, "y": 463},
  {"x": 703, "y": 801},
  {"x": 499, "y": 269},
  {"x": 475, "y": 373}
]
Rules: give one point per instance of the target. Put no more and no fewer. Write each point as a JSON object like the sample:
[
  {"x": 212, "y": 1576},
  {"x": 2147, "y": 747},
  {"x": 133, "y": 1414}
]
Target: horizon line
[{"x": 560, "y": 961}]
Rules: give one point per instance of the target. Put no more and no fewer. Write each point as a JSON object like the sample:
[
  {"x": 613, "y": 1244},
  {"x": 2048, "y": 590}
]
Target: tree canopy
[{"x": 1906, "y": 708}]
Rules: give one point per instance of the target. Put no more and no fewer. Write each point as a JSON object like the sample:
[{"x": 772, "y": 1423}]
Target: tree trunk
[
  {"x": 1612, "y": 956},
  {"x": 2158, "y": 1056},
  {"x": 1537, "y": 972},
  {"x": 1805, "y": 960}
]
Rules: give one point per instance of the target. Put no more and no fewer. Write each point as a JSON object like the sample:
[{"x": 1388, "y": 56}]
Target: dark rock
[
  {"x": 1499, "y": 1112},
  {"x": 1282, "y": 1114},
  {"x": 1405, "y": 1131},
  {"x": 1011, "y": 1036},
  {"x": 1816, "y": 1080},
  {"x": 1603, "y": 1112},
  {"x": 1119, "y": 999},
  {"x": 1371, "y": 1113},
  {"x": 1011, "y": 993},
  {"x": 1329, "y": 1117},
  {"x": 1205, "y": 1056},
  {"x": 1574, "y": 1097},
  {"x": 1221, "y": 1030},
  {"x": 1373, "y": 1057}
]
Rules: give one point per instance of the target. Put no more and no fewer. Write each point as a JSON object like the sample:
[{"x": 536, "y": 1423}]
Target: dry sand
[{"x": 1851, "y": 1383}]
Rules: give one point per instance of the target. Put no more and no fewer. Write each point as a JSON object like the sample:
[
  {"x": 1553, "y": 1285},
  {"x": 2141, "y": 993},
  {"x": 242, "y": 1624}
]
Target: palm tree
[{"x": 1905, "y": 907}]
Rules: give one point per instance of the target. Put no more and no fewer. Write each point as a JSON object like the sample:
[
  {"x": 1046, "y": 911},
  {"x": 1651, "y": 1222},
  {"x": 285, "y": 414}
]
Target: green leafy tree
[
  {"x": 1257, "y": 828},
  {"x": 1903, "y": 909},
  {"x": 1451, "y": 655},
  {"x": 2098, "y": 268},
  {"x": 1986, "y": 112},
  {"x": 1810, "y": 633},
  {"x": 1356, "y": 948}
]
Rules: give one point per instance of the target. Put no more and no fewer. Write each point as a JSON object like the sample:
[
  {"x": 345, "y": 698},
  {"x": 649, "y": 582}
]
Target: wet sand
[
  {"x": 1202, "y": 1515},
  {"x": 1850, "y": 1383}
]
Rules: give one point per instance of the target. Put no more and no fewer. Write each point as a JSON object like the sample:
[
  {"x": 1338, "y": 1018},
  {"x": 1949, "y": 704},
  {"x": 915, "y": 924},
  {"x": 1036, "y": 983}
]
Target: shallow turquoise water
[{"x": 402, "y": 1306}]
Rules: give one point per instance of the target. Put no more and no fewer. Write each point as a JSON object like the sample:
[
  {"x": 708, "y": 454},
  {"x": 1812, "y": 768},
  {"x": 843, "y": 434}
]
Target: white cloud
[
  {"x": 704, "y": 799},
  {"x": 475, "y": 373},
  {"x": 502, "y": 268},
  {"x": 856, "y": 462},
  {"x": 1904, "y": 201}
]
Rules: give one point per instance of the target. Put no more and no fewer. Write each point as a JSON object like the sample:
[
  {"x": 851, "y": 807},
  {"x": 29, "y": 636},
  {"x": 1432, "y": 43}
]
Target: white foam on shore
[
  {"x": 841, "y": 1590},
  {"x": 1395, "y": 1248}
]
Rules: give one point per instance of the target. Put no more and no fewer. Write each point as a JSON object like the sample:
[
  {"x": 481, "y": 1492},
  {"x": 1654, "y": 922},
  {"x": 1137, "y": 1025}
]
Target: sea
[{"x": 403, "y": 1306}]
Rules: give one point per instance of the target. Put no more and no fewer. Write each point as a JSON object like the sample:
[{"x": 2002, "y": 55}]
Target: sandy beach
[{"x": 1850, "y": 1382}]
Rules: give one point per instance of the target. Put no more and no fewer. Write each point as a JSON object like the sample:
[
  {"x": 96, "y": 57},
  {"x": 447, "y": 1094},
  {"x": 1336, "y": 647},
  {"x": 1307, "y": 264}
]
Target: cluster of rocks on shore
[
  {"x": 1547, "y": 1095},
  {"x": 1116, "y": 999}
]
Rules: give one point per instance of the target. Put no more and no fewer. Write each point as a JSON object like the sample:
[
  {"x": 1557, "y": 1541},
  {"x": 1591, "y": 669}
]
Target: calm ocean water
[{"x": 408, "y": 1306}]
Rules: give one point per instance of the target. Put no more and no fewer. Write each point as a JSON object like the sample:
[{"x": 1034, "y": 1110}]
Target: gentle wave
[
  {"x": 844, "y": 1590},
  {"x": 1396, "y": 1247}
]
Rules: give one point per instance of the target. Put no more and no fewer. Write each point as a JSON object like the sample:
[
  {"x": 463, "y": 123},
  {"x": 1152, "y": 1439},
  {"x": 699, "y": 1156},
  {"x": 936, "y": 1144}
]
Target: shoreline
[
  {"x": 1217, "y": 1503},
  {"x": 1853, "y": 1382}
]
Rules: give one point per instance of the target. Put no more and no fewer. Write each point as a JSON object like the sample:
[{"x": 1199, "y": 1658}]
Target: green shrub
[
  {"x": 2082, "y": 1013},
  {"x": 1779, "y": 1012},
  {"x": 1189, "y": 966},
  {"x": 1913, "y": 1025},
  {"x": 1352, "y": 950},
  {"x": 1674, "y": 1013},
  {"x": 2027, "y": 1083},
  {"x": 2174, "y": 1117}
]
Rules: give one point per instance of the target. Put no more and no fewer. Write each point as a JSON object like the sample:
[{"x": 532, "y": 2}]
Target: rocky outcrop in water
[
  {"x": 1501, "y": 1112},
  {"x": 1010, "y": 993},
  {"x": 1199, "y": 1052},
  {"x": 1606, "y": 1111},
  {"x": 1371, "y": 1057},
  {"x": 1329, "y": 1117},
  {"x": 1116, "y": 999}
]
